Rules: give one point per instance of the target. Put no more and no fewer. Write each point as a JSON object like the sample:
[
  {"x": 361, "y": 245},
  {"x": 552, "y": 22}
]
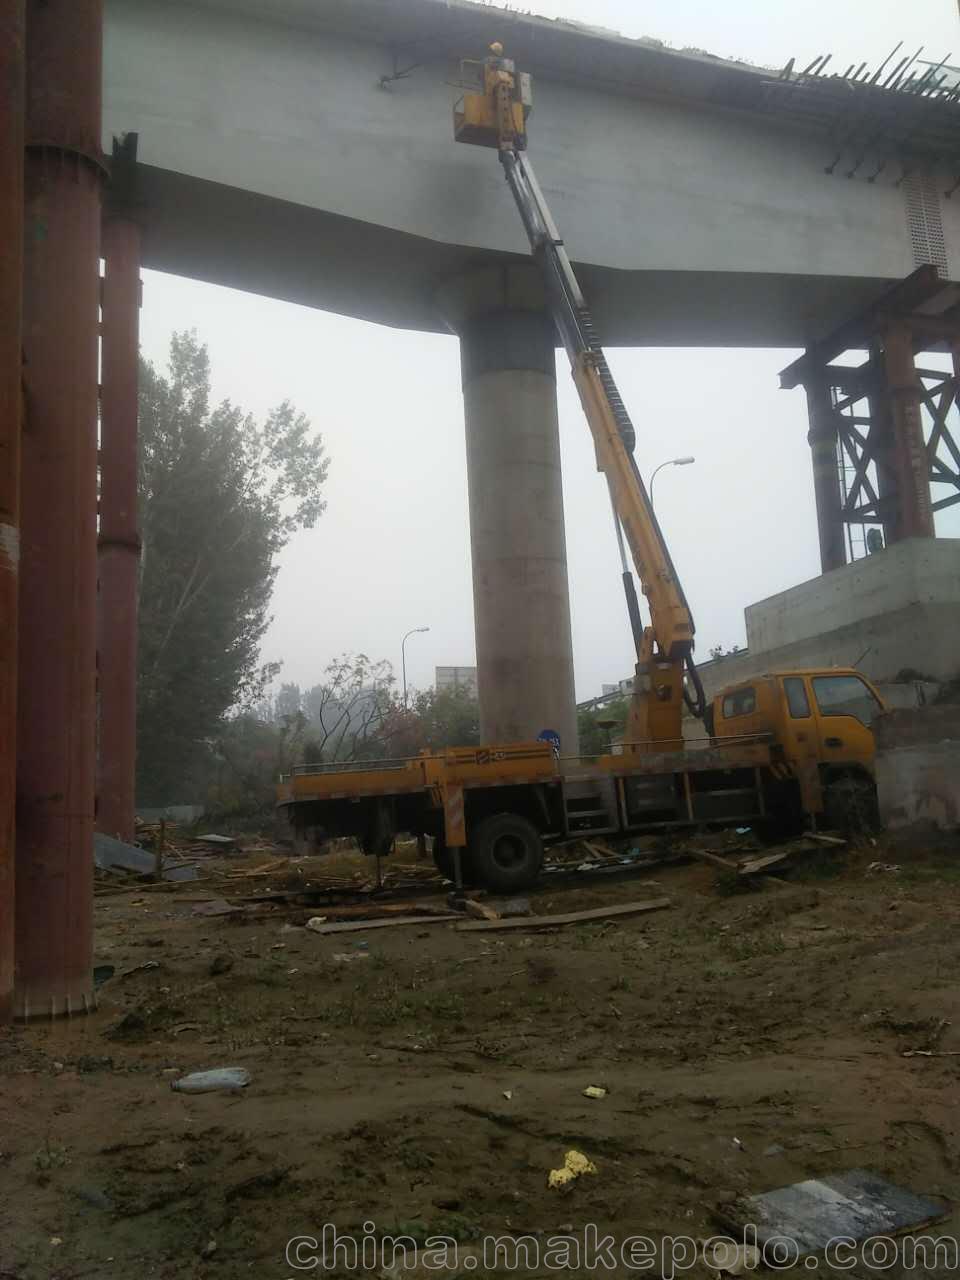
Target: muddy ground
[{"x": 430, "y": 1081}]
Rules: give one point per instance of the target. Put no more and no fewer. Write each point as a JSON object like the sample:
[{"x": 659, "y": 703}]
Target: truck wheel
[
  {"x": 850, "y": 805},
  {"x": 506, "y": 852}
]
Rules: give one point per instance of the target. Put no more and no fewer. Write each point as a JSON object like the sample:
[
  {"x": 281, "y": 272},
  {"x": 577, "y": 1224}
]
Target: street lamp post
[
  {"x": 670, "y": 462},
  {"x": 403, "y": 658}
]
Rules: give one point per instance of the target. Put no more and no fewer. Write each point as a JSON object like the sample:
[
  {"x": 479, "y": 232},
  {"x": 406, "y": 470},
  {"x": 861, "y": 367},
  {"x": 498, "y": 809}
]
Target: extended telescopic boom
[{"x": 497, "y": 118}]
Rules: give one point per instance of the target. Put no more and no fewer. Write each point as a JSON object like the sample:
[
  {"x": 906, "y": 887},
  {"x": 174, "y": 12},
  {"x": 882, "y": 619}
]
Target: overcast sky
[{"x": 392, "y": 551}]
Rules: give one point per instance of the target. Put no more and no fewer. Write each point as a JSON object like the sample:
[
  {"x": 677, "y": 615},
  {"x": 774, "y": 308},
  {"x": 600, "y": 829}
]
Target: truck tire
[
  {"x": 850, "y": 805},
  {"x": 506, "y": 852}
]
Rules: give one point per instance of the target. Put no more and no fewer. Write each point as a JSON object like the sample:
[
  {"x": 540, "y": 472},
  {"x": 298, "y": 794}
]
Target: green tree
[
  {"x": 288, "y": 702},
  {"x": 240, "y": 769},
  {"x": 220, "y": 495},
  {"x": 447, "y": 718},
  {"x": 355, "y": 714}
]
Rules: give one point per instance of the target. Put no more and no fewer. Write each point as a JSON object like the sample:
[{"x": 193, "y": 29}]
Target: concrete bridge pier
[{"x": 521, "y": 597}]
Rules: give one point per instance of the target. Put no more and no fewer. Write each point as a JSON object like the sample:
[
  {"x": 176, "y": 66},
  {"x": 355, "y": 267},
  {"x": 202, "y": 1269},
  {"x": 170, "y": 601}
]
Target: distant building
[{"x": 457, "y": 678}]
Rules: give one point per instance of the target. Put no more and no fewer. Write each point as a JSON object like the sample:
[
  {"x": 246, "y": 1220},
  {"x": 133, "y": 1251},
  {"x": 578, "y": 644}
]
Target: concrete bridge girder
[{"x": 276, "y": 162}]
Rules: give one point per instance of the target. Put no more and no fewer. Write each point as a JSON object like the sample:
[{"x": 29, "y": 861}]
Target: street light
[
  {"x": 403, "y": 658},
  {"x": 670, "y": 462}
]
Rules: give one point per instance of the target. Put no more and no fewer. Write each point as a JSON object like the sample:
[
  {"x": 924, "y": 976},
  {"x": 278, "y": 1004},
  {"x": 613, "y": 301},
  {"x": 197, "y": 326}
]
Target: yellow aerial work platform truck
[{"x": 776, "y": 748}]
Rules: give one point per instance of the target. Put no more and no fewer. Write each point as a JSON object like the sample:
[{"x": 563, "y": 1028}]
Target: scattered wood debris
[
  {"x": 479, "y": 910},
  {"x": 777, "y": 857},
  {"x": 766, "y": 863},
  {"x": 569, "y": 917},
  {"x": 357, "y": 926},
  {"x": 715, "y": 859}
]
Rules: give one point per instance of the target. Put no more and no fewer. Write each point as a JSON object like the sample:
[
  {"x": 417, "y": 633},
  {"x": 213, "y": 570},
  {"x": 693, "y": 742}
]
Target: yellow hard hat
[{"x": 496, "y": 48}]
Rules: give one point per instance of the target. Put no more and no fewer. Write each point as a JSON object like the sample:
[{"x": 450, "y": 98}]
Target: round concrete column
[{"x": 520, "y": 592}]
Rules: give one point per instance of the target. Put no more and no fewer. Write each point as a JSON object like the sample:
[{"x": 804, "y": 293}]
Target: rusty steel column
[
  {"x": 119, "y": 540},
  {"x": 56, "y": 691},
  {"x": 822, "y": 438},
  {"x": 881, "y": 440},
  {"x": 909, "y": 453},
  {"x": 11, "y": 279}
]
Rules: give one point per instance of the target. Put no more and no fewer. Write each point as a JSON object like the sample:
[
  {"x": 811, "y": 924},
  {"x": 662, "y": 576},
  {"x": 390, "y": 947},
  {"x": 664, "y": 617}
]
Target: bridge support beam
[
  {"x": 822, "y": 439},
  {"x": 119, "y": 540},
  {"x": 520, "y": 592},
  {"x": 910, "y": 463},
  {"x": 58, "y": 568}
]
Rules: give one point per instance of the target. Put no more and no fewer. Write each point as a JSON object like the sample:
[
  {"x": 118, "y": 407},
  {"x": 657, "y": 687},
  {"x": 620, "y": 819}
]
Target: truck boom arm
[
  {"x": 666, "y": 647},
  {"x": 610, "y": 424}
]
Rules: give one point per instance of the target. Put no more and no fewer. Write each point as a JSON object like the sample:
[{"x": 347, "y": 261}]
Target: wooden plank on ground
[
  {"x": 569, "y": 917},
  {"x": 379, "y": 910},
  {"x": 359, "y": 926},
  {"x": 598, "y": 850},
  {"x": 265, "y": 869},
  {"x": 787, "y": 852},
  {"x": 480, "y": 910},
  {"x": 728, "y": 864},
  {"x": 705, "y": 855},
  {"x": 756, "y": 865}
]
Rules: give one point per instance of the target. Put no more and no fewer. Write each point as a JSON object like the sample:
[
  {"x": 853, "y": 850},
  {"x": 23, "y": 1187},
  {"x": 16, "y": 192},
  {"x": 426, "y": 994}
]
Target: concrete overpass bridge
[
  {"x": 302, "y": 149},
  {"x": 279, "y": 155}
]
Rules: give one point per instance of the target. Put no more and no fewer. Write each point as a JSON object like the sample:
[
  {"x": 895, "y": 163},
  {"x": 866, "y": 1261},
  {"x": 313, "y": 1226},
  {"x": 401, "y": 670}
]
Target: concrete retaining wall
[
  {"x": 918, "y": 767},
  {"x": 894, "y": 610}
]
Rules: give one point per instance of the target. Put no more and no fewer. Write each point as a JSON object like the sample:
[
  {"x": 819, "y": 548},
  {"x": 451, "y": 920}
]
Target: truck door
[
  {"x": 845, "y": 709},
  {"x": 801, "y": 740}
]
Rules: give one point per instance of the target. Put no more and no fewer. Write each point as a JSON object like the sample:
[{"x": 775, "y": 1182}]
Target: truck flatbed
[{"x": 453, "y": 795}]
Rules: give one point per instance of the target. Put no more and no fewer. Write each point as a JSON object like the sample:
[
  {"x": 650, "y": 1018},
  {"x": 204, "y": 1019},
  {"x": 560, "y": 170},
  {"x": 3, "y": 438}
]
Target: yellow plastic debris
[
  {"x": 594, "y": 1091},
  {"x": 575, "y": 1165}
]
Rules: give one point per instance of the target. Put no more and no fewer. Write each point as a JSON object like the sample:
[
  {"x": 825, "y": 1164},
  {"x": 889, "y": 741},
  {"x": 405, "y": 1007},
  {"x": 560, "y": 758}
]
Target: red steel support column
[
  {"x": 822, "y": 438},
  {"x": 119, "y": 542},
  {"x": 11, "y": 280},
  {"x": 56, "y": 713},
  {"x": 915, "y": 514}
]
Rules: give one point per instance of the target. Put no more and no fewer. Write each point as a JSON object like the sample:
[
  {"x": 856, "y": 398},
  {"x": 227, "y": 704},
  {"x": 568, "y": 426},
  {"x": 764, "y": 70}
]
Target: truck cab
[{"x": 819, "y": 724}]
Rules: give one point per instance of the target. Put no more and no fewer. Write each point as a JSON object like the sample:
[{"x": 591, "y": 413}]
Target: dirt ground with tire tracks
[{"x": 430, "y": 1081}]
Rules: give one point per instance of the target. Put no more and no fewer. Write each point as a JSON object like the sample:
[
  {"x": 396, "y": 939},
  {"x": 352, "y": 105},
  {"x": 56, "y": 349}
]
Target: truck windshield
[{"x": 845, "y": 696}]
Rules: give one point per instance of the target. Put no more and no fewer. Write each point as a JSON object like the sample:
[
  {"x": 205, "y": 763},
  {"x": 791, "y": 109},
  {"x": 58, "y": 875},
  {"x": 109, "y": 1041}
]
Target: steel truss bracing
[
  {"x": 884, "y": 431},
  {"x": 866, "y": 469}
]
